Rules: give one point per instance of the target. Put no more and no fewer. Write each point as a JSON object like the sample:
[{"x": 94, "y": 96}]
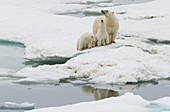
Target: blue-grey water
[
  {"x": 41, "y": 95},
  {"x": 11, "y": 57}
]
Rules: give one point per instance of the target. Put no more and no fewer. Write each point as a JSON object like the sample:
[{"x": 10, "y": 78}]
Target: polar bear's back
[
  {"x": 84, "y": 41},
  {"x": 86, "y": 37}
]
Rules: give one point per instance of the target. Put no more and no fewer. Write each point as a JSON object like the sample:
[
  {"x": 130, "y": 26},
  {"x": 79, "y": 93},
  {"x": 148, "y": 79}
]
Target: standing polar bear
[
  {"x": 102, "y": 36},
  {"x": 111, "y": 24},
  {"x": 87, "y": 40}
]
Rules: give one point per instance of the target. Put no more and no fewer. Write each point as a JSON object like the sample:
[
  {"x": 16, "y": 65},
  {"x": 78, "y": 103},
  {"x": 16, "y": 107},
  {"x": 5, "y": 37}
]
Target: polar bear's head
[
  {"x": 107, "y": 13},
  {"x": 102, "y": 27},
  {"x": 94, "y": 40}
]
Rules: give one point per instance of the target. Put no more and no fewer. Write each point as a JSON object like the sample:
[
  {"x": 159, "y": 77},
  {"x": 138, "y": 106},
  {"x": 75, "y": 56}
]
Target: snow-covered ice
[
  {"x": 132, "y": 66},
  {"x": 142, "y": 51},
  {"x": 129, "y": 101},
  {"x": 16, "y": 106}
]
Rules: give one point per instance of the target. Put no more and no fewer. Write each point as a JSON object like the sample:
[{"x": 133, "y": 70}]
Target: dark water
[
  {"x": 148, "y": 90},
  {"x": 41, "y": 95},
  {"x": 153, "y": 92},
  {"x": 50, "y": 60},
  {"x": 50, "y": 95},
  {"x": 158, "y": 42}
]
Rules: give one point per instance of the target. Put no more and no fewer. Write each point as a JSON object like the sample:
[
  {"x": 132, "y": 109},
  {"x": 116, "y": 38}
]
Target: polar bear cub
[
  {"x": 87, "y": 40},
  {"x": 102, "y": 36}
]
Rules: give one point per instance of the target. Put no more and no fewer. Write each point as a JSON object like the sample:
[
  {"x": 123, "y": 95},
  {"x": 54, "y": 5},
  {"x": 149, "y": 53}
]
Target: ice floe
[
  {"x": 129, "y": 102},
  {"x": 16, "y": 106},
  {"x": 122, "y": 65},
  {"x": 140, "y": 54},
  {"x": 46, "y": 34}
]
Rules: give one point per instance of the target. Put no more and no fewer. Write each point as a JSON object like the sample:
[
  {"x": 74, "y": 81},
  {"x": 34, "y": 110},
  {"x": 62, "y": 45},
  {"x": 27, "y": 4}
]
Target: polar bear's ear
[{"x": 112, "y": 12}]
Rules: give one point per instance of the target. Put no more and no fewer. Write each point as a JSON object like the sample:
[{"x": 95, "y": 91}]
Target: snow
[
  {"x": 129, "y": 102},
  {"x": 134, "y": 67},
  {"x": 45, "y": 33},
  {"x": 134, "y": 58},
  {"x": 17, "y": 106},
  {"x": 41, "y": 32},
  {"x": 146, "y": 22}
]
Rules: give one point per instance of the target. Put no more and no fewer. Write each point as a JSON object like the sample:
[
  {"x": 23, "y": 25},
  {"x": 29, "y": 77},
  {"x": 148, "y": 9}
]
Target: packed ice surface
[
  {"x": 41, "y": 31},
  {"x": 16, "y": 106},
  {"x": 130, "y": 102},
  {"x": 143, "y": 20},
  {"x": 141, "y": 52},
  {"x": 94, "y": 67},
  {"x": 45, "y": 33}
]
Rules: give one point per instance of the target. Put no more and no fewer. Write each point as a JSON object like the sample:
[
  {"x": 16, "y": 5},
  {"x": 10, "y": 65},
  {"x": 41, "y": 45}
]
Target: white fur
[
  {"x": 87, "y": 40},
  {"x": 102, "y": 35},
  {"x": 111, "y": 24}
]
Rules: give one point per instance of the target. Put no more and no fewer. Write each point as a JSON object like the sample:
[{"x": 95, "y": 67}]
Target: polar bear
[
  {"x": 111, "y": 24},
  {"x": 102, "y": 36},
  {"x": 87, "y": 40}
]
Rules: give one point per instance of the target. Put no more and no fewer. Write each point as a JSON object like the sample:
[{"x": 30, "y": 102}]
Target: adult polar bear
[{"x": 111, "y": 24}]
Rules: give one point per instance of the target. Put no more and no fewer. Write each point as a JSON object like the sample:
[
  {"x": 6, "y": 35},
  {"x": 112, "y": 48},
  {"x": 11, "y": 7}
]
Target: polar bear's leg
[
  {"x": 93, "y": 43},
  {"x": 110, "y": 38},
  {"x": 114, "y": 37},
  {"x": 99, "y": 42},
  {"x": 80, "y": 47},
  {"x": 90, "y": 45},
  {"x": 103, "y": 42},
  {"x": 107, "y": 40}
]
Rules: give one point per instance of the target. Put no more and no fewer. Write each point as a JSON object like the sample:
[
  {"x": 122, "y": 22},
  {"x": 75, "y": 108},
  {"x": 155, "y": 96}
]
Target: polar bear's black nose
[
  {"x": 101, "y": 21},
  {"x": 102, "y": 11}
]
